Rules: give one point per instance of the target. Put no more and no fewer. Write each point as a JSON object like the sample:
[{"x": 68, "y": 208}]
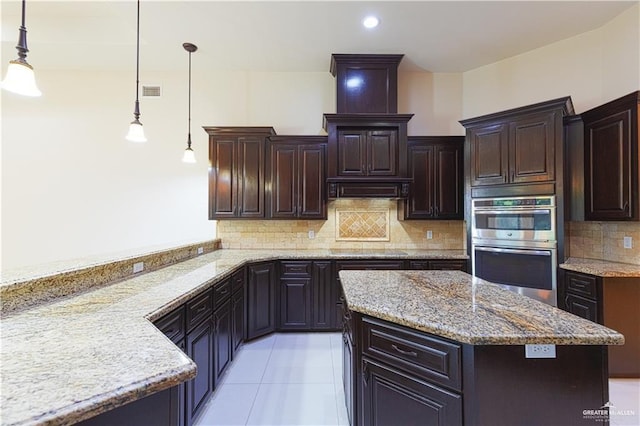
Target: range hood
[{"x": 367, "y": 138}]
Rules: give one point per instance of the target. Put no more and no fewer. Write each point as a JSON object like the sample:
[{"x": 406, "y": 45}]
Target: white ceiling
[{"x": 436, "y": 36}]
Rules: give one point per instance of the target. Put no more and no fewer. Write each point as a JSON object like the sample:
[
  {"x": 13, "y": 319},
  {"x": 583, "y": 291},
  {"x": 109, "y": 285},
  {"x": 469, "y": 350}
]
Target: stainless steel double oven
[{"x": 514, "y": 244}]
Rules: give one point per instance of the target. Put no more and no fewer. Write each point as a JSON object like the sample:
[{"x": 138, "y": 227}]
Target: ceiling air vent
[{"x": 151, "y": 91}]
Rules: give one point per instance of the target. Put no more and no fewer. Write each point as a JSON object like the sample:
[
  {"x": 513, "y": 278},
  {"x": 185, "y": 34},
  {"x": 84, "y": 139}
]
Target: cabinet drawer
[
  {"x": 584, "y": 285},
  {"x": 433, "y": 359},
  {"x": 172, "y": 325},
  {"x": 198, "y": 309},
  {"x": 585, "y": 308},
  {"x": 295, "y": 269},
  {"x": 448, "y": 265},
  {"x": 221, "y": 292},
  {"x": 237, "y": 281}
]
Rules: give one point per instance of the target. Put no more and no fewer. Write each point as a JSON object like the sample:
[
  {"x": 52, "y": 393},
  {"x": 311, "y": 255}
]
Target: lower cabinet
[
  {"x": 609, "y": 301},
  {"x": 440, "y": 265},
  {"x": 306, "y": 296},
  {"x": 200, "y": 350},
  {"x": 392, "y": 397},
  {"x": 261, "y": 299},
  {"x": 222, "y": 322},
  {"x": 237, "y": 312}
]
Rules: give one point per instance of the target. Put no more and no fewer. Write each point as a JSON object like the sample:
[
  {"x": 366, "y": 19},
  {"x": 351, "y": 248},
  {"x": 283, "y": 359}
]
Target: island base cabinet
[
  {"x": 390, "y": 397},
  {"x": 502, "y": 387},
  {"x": 158, "y": 409}
]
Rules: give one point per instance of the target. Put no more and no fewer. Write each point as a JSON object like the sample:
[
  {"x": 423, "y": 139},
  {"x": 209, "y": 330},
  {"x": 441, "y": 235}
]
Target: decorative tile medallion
[{"x": 370, "y": 225}]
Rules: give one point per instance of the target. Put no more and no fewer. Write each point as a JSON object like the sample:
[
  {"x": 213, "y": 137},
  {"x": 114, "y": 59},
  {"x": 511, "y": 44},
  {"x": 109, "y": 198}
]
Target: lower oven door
[{"x": 528, "y": 271}]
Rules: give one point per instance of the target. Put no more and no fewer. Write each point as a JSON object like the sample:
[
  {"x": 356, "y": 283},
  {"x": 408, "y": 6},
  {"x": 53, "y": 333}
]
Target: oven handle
[
  {"x": 515, "y": 251},
  {"x": 531, "y": 211}
]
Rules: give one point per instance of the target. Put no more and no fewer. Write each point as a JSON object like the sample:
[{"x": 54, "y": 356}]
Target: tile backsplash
[
  {"x": 294, "y": 234},
  {"x": 604, "y": 241}
]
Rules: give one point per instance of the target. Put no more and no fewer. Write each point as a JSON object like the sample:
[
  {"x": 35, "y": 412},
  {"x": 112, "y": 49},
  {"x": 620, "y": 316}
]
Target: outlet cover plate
[{"x": 539, "y": 351}]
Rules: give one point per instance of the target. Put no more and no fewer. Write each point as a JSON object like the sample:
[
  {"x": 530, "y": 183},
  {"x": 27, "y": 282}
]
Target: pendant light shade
[
  {"x": 136, "y": 131},
  {"x": 20, "y": 78},
  {"x": 189, "y": 156}
]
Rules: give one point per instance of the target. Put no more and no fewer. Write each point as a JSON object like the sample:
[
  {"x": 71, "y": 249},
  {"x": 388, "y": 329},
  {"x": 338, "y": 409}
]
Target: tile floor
[
  {"x": 282, "y": 379},
  {"x": 295, "y": 379}
]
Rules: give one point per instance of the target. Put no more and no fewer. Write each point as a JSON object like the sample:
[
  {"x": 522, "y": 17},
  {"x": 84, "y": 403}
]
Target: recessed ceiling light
[{"x": 370, "y": 22}]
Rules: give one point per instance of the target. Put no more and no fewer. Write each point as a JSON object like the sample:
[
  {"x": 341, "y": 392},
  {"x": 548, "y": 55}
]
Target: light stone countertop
[
  {"x": 601, "y": 268},
  {"x": 77, "y": 356},
  {"x": 457, "y": 306}
]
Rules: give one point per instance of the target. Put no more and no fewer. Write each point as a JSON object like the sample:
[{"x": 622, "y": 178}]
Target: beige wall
[
  {"x": 593, "y": 68},
  {"x": 73, "y": 187},
  {"x": 604, "y": 240},
  {"x": 294, "y": 234}
]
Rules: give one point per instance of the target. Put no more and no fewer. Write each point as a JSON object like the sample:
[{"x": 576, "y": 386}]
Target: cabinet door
[
  {"x": 382, "y": 152},
  {"x": 295, "y": 304},
  {"x": 608, "y": 168},
  {"x": 390, "y": 397},
  {"x": 347, "y": 377},
  {"x": 200, "y": 350},
  {"x": 237, "y": 318},
  {"x": 532, "y": 148},
  {"x": 489, "y": 154},
  {"x": 261, "y": 299},
  {"x": 420, "y": 204},
  {"x": 322, "y": 297},
  {"x": 223, "y": 181},
  {"x": 222, "y": 339},
  {"x": 449, "y": 182},
  {"x": 250, "y": 177},
  {"x": 311, "y": 181},
  {"x": 283, "y": 159},
  {"x": 585, "y": 308},
  {"x": 352, "y": 153}
]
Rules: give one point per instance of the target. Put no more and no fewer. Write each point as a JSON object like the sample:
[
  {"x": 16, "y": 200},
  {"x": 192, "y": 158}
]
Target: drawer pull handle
[
  {"x": 225, "y": 291},
  {"x": 409, "y": 353},
  {"x": 201, "y": 309}
]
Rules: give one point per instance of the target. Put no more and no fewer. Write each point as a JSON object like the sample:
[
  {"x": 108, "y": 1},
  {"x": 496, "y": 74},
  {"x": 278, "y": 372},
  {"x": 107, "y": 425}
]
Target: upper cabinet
[
  {"x": 236, "y": 174},
  {"x": 436, "y": 167},
  {"x": 296, "y": 175},
  {"x": 366, "y": 83},
  {"x": 611, "y": 160},
  {"x": 519, "y": 150},
  {"x": 367, "y": 139}
]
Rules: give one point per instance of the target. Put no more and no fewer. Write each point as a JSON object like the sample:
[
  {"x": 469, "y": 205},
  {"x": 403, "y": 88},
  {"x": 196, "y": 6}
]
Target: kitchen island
[{"x": 442, "y": 347}]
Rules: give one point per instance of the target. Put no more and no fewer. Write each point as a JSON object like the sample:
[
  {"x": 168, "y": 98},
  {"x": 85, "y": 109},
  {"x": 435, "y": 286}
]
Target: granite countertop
[
  {"x": 601, "y": 268},
  {"x": 74, "y": 357},
  {"x": 457, "y": 306}
]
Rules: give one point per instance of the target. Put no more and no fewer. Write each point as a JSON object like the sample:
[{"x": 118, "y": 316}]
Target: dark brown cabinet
[
  {"x": 222, "y": 338},
  {"x": 297, "y": 177},
  {"x": 199, "y": 347},
  {"x": 440, "y": 265},
  {"x": 238, "y": 286},
  {"x": 236, "y": 174},
  {"x": 611, "y": 158},
  {"x": 610, "y": 301},
  {"x": 306, "y": 301},
  {"x": 518, "y": 148},
  {"x": 261, "y": 299},
  {"x": 367, "y": 152},
  {"x": 519, "y": 151},
  {"x": 437, "y": 189}
]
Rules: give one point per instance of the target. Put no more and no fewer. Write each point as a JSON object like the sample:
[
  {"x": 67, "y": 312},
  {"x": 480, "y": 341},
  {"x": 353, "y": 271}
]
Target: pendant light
[
  {"x": 189, "y": 156},
  {"x": 136, "y": 132},
  {"x": 20, "y": 78}
]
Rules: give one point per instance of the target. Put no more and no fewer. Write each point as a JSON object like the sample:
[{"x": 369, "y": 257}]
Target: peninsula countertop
[
  {"x": 457, "y": 306},
  {"x": 74, "y": 357},
  {"x": 601, "y": 268}
]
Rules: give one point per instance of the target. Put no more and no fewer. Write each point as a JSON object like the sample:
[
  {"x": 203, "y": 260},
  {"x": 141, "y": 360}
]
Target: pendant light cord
[
  {"x": 189, "y": 130},
  {"x": 22, "y": 37},
  {"x": 136, "y": 112}
]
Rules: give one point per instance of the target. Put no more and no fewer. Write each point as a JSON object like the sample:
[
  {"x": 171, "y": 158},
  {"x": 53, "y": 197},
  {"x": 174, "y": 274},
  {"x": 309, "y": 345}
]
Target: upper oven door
[{"x": 534, "y": 223}]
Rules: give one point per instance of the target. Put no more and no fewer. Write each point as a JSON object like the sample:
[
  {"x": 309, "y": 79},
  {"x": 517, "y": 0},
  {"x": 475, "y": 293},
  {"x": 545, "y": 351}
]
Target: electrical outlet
[
  {"x": 429, "y": 235},
  {"x": 138, "y": 267},
  {"x": 200, "y": 250},
  {"x": 628, "y": 242},
  {"x": 539, "y": 351},
  {"x": 311, "y": 234}
]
